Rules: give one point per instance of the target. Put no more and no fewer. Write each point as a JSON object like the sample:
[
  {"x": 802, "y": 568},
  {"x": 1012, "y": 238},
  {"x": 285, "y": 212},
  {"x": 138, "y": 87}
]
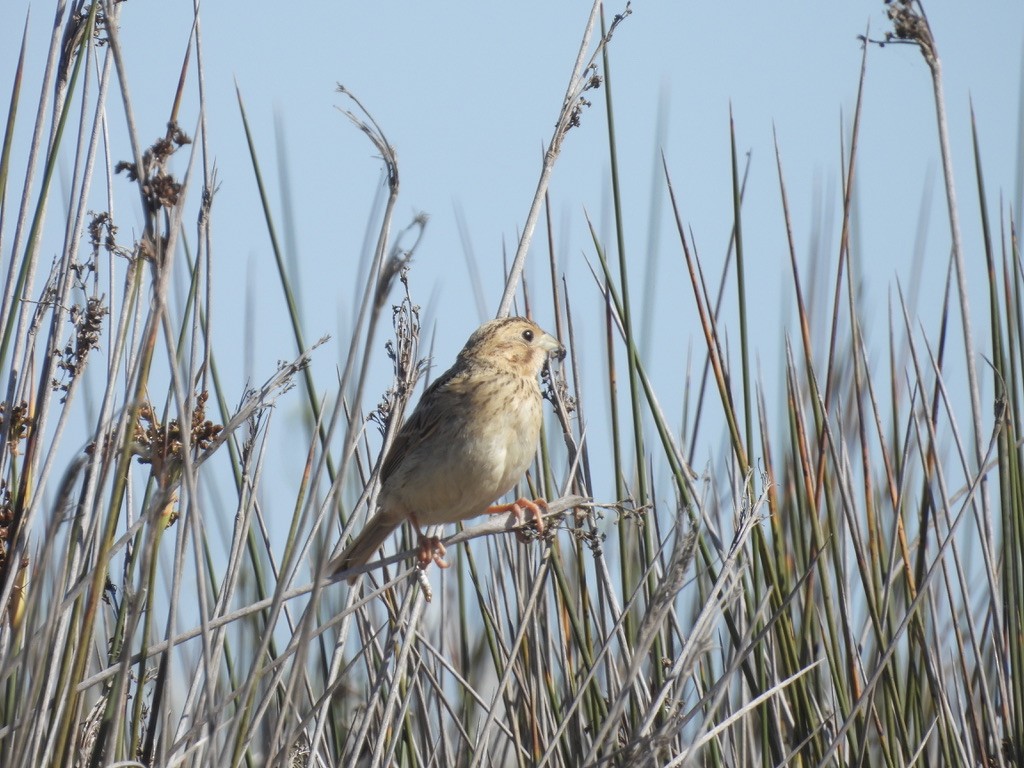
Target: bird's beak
[{"x": 550, "y": 345}]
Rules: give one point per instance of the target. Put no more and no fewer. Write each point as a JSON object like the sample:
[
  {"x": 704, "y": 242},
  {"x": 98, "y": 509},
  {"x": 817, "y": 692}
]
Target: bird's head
[{"x": 512, "y": 342}]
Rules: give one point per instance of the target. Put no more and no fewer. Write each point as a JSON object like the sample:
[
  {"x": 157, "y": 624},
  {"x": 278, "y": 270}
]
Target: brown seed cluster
[
  {"x": 20, "y": 423},
  {"x": 88, "y": 322},
  {"x": 159, "y": 188},
  {"x": 161, "y": 444},
  {"x": 6, "y": 519},
  {"x": 102, "y": 231}
]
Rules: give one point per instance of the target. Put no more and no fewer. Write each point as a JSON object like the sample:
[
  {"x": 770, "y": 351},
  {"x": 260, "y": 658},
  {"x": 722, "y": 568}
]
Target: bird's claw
[
  {"x": 431, "y": 550},
  {"x": 518, "y": 508}
]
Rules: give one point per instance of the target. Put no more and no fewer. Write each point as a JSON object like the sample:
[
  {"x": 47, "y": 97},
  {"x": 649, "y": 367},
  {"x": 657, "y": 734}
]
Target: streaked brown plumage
[{"x": 469, "y": 441}]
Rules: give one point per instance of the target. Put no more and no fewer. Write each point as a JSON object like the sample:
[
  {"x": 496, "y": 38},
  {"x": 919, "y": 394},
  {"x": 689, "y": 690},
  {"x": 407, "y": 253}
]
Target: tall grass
[{"x": 842, "y": 589}]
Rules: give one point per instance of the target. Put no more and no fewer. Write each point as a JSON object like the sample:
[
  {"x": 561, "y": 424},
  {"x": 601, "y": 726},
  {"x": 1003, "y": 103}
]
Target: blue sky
[{"x": 469, "y": 92}]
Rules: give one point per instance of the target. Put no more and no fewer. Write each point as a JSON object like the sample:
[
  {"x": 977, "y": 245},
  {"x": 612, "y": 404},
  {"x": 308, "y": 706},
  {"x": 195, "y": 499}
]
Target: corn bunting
[{"x": 470, "y": 439}]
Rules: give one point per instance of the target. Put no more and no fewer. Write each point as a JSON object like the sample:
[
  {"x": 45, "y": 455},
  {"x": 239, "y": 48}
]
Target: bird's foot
[
  {"x": 519, "y": 507},
  {"x": 431, "y": 550}
]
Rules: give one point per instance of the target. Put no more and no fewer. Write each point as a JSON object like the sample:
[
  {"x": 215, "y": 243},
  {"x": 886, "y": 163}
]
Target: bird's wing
[{"x": 430, "y": 414}]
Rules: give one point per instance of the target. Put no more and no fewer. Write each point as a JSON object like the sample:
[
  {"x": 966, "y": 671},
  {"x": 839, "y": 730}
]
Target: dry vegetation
[{"x": 853, "y": 599}]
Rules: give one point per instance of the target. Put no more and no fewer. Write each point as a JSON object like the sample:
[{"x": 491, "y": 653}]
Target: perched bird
[{"x": 469, "y": 441}]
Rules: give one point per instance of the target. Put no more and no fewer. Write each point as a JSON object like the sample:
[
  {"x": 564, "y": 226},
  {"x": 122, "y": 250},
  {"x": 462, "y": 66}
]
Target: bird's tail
[{"x": 363, "y": 546}]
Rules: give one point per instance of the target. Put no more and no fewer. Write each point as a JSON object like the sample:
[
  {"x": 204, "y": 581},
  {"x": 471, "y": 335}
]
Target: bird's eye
[{"x": 528, "y": 335}]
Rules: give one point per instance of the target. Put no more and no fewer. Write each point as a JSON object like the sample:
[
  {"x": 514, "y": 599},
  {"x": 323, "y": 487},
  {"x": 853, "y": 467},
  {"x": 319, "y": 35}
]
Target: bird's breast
[{"x": 486, "y": 449}]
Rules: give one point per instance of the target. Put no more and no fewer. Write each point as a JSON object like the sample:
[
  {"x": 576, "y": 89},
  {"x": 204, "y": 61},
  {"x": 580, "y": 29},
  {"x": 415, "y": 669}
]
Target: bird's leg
[
  {"x": 518, "y": 507},
  {"x": 431, "y": 550}
]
